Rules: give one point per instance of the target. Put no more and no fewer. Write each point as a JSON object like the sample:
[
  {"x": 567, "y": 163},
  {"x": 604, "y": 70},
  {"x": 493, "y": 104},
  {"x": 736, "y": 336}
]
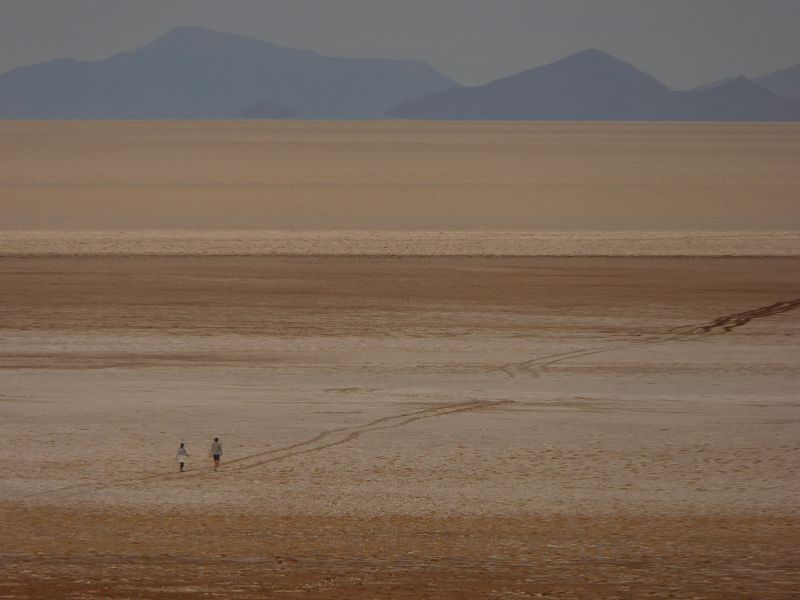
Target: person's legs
[
  {"x": 182, "y": 466},
  {"x": 216, "y": 462}
]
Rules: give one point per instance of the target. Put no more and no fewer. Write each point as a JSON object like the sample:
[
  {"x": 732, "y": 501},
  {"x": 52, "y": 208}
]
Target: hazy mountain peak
[
  {"x": 200, "y": 38},
  {"x": 594, "y": 58},
  {"x": 191, "y": 34},
  {"x": 742, "y": 86},
  {"x": 594, "y": 85},
  {"x": 587, "y": 66},
  {"x": 784, "y": 82},
  {"x": 195, "y": 73},
  {"x": 593, "y": 55},
  {"x": 195, "y": 33},
  {"x": 740, "y": 100}
]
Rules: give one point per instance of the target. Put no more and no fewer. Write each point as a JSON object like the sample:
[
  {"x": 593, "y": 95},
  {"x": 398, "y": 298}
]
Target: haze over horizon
[{"x": 682, "y": 43}]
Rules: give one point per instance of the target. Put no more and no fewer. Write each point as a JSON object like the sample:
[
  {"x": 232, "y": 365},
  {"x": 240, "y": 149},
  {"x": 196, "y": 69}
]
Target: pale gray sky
[{"x": 681, "y": 42}]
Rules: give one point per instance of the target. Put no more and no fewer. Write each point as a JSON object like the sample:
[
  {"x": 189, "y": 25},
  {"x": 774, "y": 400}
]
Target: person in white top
[
  {"x": 182, "y": 456},
  {"x": 216, "y": 452}
]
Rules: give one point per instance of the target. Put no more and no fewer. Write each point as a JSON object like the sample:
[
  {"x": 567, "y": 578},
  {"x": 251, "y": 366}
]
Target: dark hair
[
  {"x": 216, "y": 439},
  {"x": 181, "y": 444}
]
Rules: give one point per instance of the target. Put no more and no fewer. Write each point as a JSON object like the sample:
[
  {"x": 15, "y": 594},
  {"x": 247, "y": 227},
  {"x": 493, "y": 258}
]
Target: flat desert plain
[
  {"x": 400, "y": 427},
  {"x": 405, "y": 176}
]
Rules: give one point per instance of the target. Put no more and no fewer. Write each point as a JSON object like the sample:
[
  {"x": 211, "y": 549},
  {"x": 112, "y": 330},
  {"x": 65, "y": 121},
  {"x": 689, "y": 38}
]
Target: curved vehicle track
[
  {"x": 538, "y": 366},
  {"x": 322, "y": 441}
]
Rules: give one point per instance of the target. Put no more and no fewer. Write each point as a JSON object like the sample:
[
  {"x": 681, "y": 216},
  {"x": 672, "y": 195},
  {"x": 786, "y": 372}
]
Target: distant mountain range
[
  {"x": 195, "y": 73},
  {"x": 785, "y": 82},
  {"x": 591, "y": 86}
]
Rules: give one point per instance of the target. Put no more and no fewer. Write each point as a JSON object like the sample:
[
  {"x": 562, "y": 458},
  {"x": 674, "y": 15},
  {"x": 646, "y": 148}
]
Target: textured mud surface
[{"x": 399, "y": 427}]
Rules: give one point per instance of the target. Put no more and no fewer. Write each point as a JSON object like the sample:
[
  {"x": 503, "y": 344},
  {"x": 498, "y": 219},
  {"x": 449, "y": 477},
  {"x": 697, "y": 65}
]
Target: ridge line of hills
[
  {"x": 594, "y": 86},
  {"x": 196, "y": 73}
]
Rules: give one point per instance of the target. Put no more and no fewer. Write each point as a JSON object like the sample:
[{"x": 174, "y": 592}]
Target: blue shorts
[{"x": 217, "y": 456}]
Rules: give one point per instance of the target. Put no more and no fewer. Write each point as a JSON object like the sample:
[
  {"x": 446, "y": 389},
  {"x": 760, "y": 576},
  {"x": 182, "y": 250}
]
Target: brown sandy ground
[
  {"x": 617, "y": 428},
  {"x": 399, "y": 175},
  {"x": 106, "y": 553},
  {"x": 432, "y": 296}
]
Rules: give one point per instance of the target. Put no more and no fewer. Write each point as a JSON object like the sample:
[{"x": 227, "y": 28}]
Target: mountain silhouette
[
  {"x": 585, "y": 86},
  {"x": 593, "y": 85},
  {"x": 785, "y": 82},
  {"x": 739, "y": 100},
  {"x": 196, "y": 73}
]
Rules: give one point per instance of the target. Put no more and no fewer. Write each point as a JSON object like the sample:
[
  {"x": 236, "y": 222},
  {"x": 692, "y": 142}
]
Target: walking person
[
  {"x": 216, "y": 452},
  {"x": 182, "y": 456}
]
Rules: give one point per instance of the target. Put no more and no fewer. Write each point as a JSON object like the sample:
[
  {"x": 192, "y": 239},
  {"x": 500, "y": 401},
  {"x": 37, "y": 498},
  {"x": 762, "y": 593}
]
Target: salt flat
[
  {"x": 415, "y": 402},
  {"x": 398, "y": 243},
  {"x": 399, "y": 176},
  {"x": 488, "y": 427}
]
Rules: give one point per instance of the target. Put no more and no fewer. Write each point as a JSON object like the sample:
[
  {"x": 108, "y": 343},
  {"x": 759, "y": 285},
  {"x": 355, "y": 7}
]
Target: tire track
[
  {"x": 731, "y": 322},
  {"x": 355, "y": 433},
  {"x": 277, "y": 454},
  {"x": 324, "y": 434},
  {"x": 538, "y": 366}
]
